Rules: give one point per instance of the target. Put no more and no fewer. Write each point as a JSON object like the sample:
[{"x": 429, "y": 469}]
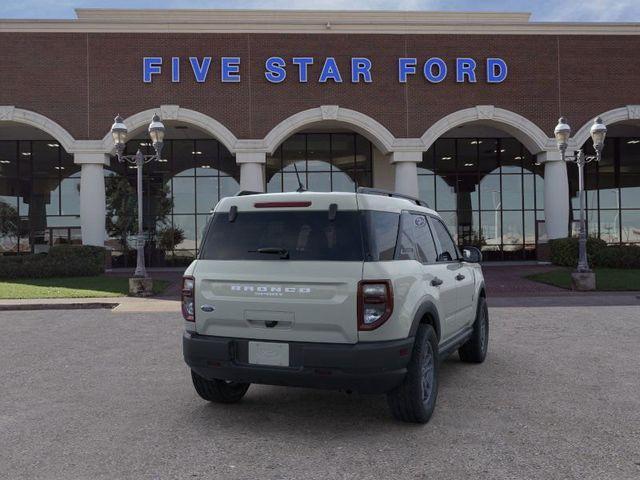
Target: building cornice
[{"x": 311, "y": 22}]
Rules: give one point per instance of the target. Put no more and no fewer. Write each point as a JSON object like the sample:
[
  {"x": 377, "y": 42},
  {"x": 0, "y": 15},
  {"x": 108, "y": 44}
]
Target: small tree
[
  {"x": 9, "y": 221},
  {"x": 169, "y": 237},
  {"x": 122, "y": 209}
]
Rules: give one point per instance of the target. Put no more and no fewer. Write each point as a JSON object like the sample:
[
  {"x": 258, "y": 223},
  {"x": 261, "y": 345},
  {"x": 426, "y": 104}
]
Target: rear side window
[
  {"x": 415, "y": 241},
  {"x": 380, "y": 234},
  {"x": 308, "y": 235},
  {"x": 449, "y": 252}
]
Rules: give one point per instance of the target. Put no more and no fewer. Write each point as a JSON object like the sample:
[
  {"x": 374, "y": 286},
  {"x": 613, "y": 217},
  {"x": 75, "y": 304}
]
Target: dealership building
[{"x": 458, "y": 109}]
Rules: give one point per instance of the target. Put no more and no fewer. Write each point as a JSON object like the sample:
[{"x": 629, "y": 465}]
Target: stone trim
[
  {"x": 629, "y": 112},
  {"x": 527, "y": 132},
  {"x": 382, "y": 138},
  {"x": 10, "y": 113},
  {"x": 177, "y": 113}
]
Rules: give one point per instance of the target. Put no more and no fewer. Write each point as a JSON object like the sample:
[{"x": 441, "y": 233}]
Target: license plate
[{"x": 269, "y": 353}]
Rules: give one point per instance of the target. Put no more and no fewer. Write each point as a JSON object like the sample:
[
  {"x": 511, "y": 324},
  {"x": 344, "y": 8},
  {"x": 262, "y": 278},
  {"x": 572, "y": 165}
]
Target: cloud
[{"x": 543, "y": 10}]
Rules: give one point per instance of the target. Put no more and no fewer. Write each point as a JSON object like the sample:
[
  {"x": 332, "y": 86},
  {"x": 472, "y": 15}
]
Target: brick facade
[{"x": 80, "y": 80}]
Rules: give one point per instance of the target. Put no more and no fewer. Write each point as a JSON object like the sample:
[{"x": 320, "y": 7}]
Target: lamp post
[
  {"x": 562, "y": 133},
  {"x": 119, "y": 133}
]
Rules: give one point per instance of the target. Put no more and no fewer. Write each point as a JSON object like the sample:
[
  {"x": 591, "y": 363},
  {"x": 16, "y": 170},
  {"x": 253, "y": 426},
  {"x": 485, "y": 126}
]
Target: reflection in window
[
  {"x": 490, "y": 191},
  {"x": 195, "y": 175},
  {"x": 325, "y": 162}
]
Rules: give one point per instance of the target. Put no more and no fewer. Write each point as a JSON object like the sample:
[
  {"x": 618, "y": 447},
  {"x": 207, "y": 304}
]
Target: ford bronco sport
[{"x": 358, "y": 291}]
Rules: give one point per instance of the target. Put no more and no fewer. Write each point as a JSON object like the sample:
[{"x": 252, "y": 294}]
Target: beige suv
[{"x": 358, "y": 291}]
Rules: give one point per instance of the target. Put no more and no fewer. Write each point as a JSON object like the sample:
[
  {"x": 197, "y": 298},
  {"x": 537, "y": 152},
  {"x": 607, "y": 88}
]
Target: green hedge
[
  {"x": 564, "y": 252},
  {"x": 61, "y": 261}
]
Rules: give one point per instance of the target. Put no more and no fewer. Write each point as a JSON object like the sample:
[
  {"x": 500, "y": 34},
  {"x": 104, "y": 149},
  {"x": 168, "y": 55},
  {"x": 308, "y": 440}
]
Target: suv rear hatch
[{"x": 281, "y": 267}]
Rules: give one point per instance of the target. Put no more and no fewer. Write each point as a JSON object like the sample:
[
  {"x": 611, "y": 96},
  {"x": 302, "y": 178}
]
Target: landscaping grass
[
  {"x": 607, "y": 279},
  {"x": 71, "y": 287}
]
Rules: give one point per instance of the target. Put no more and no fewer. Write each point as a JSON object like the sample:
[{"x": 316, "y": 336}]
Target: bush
[
  {"x": 61, "y": 261},
  {"x": 618, "y": 256},
  {"x": 564, "y": 251}
]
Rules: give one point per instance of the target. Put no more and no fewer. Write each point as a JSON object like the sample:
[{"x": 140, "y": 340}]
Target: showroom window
[
  {"x": 489, "y": 192},
  {"x": 39, "y": 196},
  {"x": 179, "y": 193},
  {"x": 326, "y": 162}
]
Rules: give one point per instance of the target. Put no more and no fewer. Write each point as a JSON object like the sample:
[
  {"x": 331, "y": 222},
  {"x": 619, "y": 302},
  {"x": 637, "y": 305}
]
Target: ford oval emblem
[{"x": 207, "y": 308}]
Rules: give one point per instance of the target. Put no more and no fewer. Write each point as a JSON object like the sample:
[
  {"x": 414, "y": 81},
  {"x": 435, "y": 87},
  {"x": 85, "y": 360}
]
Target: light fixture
[
  {"x": 25, "y": 154},
  {"x": 196, "y": 152},
  {"x": 205, "y": 166},
  {"x": 59, "y": 168},
  {"x": 502, "y": 150},
  {"x": 53, "y": 145},
  {"x": 468, "y": 164},
  {"x": 447, "y": 158},
  {"x": 5, "y": 161},
  {"x": 476, "y": 142},
  {"x": 162, "y": 160},
  {"x": 145, "y": 144},
  {"x": 517, "y": 158},
  {"x": 598, "y": 133},
  {"x": 119, "y": 133},
  {"x": 562, "y": 133},
  {"x": 156, "y": 132},
  {"x": 633, "y": 142}
]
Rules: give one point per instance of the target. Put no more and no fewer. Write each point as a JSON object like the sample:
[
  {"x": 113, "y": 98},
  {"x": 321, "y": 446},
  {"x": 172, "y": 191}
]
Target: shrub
[
  {"x": 61, "y": 261},
  {"x": 618, "y": 256},
  {"x": 564, "y": 251}
]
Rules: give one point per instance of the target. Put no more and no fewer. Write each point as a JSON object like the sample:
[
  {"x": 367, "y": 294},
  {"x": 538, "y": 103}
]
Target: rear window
[{"x": 308, "y": 235}]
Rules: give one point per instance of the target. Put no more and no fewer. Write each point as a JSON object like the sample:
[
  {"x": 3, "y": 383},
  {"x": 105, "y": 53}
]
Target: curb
[{"x": 57, "y": 306}]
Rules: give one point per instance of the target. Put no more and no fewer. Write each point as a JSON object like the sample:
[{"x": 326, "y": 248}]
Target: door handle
[
  {"x": 436, "y": 282},
  {"x": 459, "y": 277}
]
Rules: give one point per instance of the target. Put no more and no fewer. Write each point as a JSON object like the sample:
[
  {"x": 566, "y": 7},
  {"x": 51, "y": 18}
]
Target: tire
[
  {"x": 415, "y": 398},
  {"x": 219, "y": 391},
  {"x": 475, "y": 349}
]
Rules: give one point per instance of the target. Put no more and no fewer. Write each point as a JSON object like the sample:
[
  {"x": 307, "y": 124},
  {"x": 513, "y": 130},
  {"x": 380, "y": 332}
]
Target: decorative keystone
[
  {"x": 634, "y": 112},
  {"x": 329, "y": 112},
  {"x": 485, "y": 112},
  {"x": 169, "y": 112},
  {"x": 6, "y": 112}
]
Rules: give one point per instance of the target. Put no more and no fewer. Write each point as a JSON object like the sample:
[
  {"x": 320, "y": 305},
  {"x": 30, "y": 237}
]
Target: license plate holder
[{"x": 269, "y": 353}]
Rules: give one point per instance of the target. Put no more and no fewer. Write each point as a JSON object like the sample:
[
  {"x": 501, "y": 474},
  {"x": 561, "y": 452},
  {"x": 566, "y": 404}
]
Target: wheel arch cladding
[{"x": 426, "y": 314}]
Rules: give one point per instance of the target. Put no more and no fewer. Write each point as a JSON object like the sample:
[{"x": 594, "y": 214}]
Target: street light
[
  {"x": 562, "y": 133},
  {"x": 119, "y": 133}
]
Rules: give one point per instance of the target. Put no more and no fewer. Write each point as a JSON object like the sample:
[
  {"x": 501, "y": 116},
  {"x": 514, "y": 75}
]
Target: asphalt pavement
[{"x": 100, "y": 394}]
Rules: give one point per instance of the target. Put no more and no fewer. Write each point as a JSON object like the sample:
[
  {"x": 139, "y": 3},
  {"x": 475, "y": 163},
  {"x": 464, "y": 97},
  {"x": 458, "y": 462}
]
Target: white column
[
  {"x": 556, "y": 194},
  {"x": 406, "y": 166},
  {"x": 92, "y": 197},
  {"x": 251, "y": 170}
]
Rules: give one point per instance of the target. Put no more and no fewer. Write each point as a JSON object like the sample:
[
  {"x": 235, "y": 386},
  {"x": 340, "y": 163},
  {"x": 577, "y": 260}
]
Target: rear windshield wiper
[{"x": 283, "y": 252}]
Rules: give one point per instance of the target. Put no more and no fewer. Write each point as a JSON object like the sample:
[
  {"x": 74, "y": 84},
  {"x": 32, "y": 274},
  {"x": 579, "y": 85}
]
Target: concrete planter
[
  {"x": 141, "y": 287},
  {"x": 583, "y": 281}
]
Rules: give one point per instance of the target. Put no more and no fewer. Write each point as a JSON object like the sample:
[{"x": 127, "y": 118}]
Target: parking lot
[{"x": 98, "y": 394}]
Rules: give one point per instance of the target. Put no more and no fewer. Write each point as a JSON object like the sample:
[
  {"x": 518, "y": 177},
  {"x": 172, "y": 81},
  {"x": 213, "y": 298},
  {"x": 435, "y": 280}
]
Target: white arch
[
  {"x": 630, "y": 112},
  {"x": 10, "y": 113},
  {"x": 177, "y": 113},
  {"x": 382, "y": 138},
  {"x": 527, "y": 132}
]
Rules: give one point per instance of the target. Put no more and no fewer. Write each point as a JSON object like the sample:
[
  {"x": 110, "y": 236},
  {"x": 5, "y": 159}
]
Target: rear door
[{"x": 280, "y": 274}]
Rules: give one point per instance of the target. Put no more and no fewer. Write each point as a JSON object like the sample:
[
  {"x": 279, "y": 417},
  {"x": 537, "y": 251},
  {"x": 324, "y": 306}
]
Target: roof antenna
[{"x": 300, "y": 187}]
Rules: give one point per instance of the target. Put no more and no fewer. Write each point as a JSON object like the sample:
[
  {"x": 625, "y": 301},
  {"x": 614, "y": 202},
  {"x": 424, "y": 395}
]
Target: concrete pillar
[
  {"x": 383, "y": 171},
  {"x": 92, "y": 197},
  {"x": 406, "y": 166},
  {"x": 556, "y": 194},
  {"x": 251, "y": 170}
]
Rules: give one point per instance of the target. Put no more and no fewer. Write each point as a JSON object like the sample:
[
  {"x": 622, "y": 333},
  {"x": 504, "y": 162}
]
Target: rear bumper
[{"x": 374, "y": 367}]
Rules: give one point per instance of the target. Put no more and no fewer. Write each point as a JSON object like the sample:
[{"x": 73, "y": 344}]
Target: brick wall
[{"x": 82, "y": 80}]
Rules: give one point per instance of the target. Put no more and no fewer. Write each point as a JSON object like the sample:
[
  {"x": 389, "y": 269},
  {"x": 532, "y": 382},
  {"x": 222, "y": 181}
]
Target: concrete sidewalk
[{"x": 116, "y": 304}]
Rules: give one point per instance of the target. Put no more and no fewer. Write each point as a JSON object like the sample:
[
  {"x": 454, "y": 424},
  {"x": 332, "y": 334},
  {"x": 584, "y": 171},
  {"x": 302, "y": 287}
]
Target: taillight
[
  {"x": 188, "y": 298},
  {"x": 375, "y": 303}
]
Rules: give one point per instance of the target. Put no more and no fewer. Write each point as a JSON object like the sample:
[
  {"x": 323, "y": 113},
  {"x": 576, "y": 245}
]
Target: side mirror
[{"x": 471, "y": 254}]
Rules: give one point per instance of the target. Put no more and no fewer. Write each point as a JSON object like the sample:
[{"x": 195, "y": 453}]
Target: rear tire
[
  {"x": 475, "y": 349},
  {"x": 219, "y": 391},
  {"x": 415, "y": 398}
]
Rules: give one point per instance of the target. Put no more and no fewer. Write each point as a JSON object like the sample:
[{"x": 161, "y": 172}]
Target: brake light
[
  {"x": 375, "y": 303},
  {"x": 188, "y": 298},
  {"x": 281, "y": 204}
]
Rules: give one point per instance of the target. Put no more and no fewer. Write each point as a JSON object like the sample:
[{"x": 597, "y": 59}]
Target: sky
[{"x": 542, "y": 10}]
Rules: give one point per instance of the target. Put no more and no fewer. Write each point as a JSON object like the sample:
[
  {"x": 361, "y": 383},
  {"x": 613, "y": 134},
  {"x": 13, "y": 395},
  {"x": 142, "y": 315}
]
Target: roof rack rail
[
  {"x": 388, "y": 193},
  {"x": 242, "y": 193}
]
